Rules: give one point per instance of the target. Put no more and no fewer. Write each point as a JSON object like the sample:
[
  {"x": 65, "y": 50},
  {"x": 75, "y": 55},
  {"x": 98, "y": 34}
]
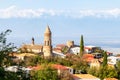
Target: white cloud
[{"x": 14, "y": 12}]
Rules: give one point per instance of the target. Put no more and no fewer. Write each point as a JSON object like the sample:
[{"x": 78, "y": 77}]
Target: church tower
[
  {"x": 33, "y": 41},
  {"x": 47, "y": 48}
]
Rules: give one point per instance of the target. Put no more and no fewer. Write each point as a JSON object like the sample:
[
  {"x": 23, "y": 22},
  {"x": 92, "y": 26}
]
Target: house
[
  {"x": 57, "y": 50},
  {"x": 32, "y": 48},
  {"x": 84, "y": 77},
  {"x": 109, "y": 54},
  {"x": 11, "y": 68},
  {"x": 88, "y": 49},
  {"x": 74, "y": 50},
  {"x": 91, "y": 49},
  {"x": 60, "y": 46},
  {"x": 22, "y": 55},
  {"x": 17, "y": 69},
  {"x": 88, "y": 57},
  {"x": 60, "y": 68},
  {"x": 58, "y": 54},
  {"x": 97, "y": 55},
  {"x": 112, "y": 60}
]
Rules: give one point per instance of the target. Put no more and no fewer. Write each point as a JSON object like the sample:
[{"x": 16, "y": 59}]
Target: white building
[
  {"x": 12, "y": 68},
  {"x": 112, "y": 60},
  {"x": 18, "y": 68},
  {"x": 91, "y": 49},
  {"x": 58, "y": 54},
  {"x": 75, "y": 50}
]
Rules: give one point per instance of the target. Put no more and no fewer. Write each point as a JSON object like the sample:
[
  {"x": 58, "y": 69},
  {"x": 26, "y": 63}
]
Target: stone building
[
  {"x": 46, "y": 49},
  {"x": 70, "y": 43}
]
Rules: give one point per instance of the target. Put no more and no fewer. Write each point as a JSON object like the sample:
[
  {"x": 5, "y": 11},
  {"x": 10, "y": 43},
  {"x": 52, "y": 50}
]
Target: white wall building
[
  {"x": 58, "y": 54},
  {"x": 75, "y": 50},
  {"x": 112, "y": 60},
  {"x": 91, "y": 49}
]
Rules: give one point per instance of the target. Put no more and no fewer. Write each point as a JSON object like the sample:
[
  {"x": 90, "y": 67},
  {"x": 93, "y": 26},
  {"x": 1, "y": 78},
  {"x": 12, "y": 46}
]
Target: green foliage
[
  {"x": 103, "y": 72},
  {"x": 47, "y": 73},
  {"x": 65, "y": 49},
  {"x": 5, "y": 49},
  {"x": 107, "y": 72},
  {"x": 80, "y": 66},
  {"x": 64, "y": 75},
  {"x": 32, "y": 60},
  {"x": 62, "y": 61},
  {"x": 5, "y": 59},
  {"x": 7, "y": 75},
  {"x": 98, "y": 50},
  {"x": 118, "y": 65},
  {"x": 81, "y": 46},
  {"x": 104, "y": 59},
  {"x": 118, "y": 68},
  {"x": 93, "y": 71}
]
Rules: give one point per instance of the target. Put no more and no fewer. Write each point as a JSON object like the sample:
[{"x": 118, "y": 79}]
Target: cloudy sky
[{"x": 97, "y": 20}]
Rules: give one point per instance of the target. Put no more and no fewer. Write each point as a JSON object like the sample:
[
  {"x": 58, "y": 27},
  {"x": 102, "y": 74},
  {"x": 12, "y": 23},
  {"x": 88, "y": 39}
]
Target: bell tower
[
  {"x": 47, "y": 48},
  {"x": 33, "y": 41}
]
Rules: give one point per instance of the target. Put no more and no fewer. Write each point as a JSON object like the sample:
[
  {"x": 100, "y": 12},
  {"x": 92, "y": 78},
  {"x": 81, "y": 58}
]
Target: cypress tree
[
  {"x": 104, "y": 59},
  {"x": 81, "y": 46}
]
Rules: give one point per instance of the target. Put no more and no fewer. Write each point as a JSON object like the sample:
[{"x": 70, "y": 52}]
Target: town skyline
[{"x": 59, "y": 39}]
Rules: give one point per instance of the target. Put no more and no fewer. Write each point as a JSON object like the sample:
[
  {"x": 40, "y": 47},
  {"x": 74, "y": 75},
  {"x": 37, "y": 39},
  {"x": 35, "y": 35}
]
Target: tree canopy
[{"x": 5, "y": 48}]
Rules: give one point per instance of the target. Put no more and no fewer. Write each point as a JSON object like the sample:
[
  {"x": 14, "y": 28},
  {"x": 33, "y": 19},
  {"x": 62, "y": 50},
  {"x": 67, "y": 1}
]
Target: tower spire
[
  {"x": 47, "y": 29},
  {"x": 33, "y": 41}
]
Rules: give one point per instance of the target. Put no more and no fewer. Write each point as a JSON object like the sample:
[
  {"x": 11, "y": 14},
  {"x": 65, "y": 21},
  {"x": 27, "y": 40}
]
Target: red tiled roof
[
  {"x": 60, "y": 67},
  {"x": 87, "y": 48},
  {"x": 69, "y": 54},
  {"x": 38, "y": 67},
  {"x": 88, "y": 57},
  {"x": 57, "y": 49},
  {"x": 109, "y": 53},
  {"x": 60, "y": 45},
  {"x": 55, "y": 66}
]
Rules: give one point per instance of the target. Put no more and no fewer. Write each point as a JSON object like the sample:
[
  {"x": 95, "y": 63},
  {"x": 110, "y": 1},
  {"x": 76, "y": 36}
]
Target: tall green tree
[
  {"x": 81, "y": 46},
  {"x": 118, "y": 68},
  {"x": 104, "y": 59},
  {"x": 5, "y": 49}
]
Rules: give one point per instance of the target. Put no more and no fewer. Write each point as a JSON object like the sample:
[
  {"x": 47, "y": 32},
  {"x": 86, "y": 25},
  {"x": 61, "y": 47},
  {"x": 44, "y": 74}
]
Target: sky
[{"x": 97, "y": 20}]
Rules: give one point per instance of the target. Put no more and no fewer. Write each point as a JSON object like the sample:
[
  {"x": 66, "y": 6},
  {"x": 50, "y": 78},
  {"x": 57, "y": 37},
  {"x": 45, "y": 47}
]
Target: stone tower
[
  {"x": 70, "y": 43},
  {"x": 33, "y": 41},
  {"x": 47, "y": 48}
]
